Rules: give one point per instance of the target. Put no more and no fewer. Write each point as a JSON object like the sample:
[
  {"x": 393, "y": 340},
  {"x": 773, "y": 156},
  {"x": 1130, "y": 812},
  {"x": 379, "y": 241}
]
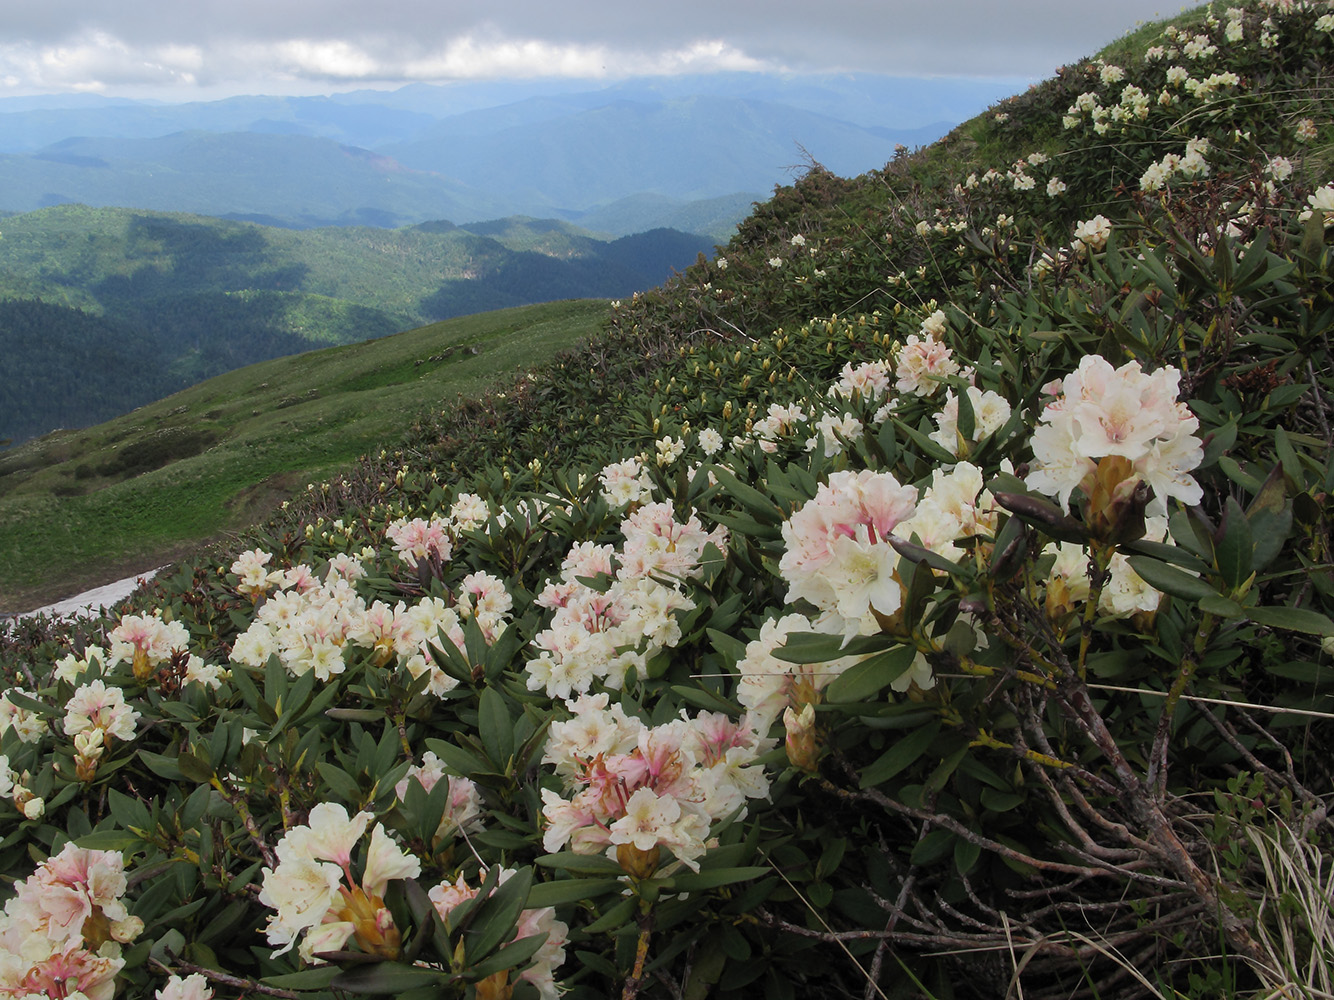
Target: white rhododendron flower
[
  {"x": 832, "y": 431},
  {"x": 1092, "y": 233},
  {"x": 921, "y": 364},
  {"x": 837, "y": 552},
  {"x": 1321, "y": 202},
  {"x": 96, "y": 706},
  {"x": 1124, "y": 411},
  {"x": 191, "y": 987},
  {"x": 645, "y": 788},
  {"x": 28, "y": 724},
  {"x": 625, "y": 482},
  {"x": 990, "y": 412},
  {"x": 313, "y": 892}
]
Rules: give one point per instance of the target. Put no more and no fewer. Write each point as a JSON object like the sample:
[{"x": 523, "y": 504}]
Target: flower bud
[
  {"x": 638, "y": 864},
  {"x": 803, "y": 747}
]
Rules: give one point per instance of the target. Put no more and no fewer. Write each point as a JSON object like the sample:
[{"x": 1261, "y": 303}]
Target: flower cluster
[
  {"x": 422, "y": 539},
  {"x": 62, "y": 932},
  {"x": 314, "y": 893},
  {"x": 838, "y": 555},
  {"x": 1191, "y": 166},
  {"x": 1100, "y": 411},
  {"x": 146, "y": 641},
  {"x": 600, "y": 633},
  {"x": 636, "y": 789},
  {"x": 310, "y": 629}
]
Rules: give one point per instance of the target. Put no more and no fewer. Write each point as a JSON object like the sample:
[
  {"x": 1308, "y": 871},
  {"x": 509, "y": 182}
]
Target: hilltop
[{"x": 929, "y": 595}]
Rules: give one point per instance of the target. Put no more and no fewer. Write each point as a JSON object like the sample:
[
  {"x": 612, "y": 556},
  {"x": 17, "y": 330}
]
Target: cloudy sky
[{"x": 191, "y": 49}]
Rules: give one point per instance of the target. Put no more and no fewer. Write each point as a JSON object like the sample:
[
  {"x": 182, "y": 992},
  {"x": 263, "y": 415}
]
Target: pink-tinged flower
[
  {"x": 68, "y": 973},
  {"x": 420, "y": 539},
  {"x": 838, "y": 556},
  {"x": 921, "y": 365},
  {"x": 73, "y": 900},
  {"x": 145, "y": 641},
  {"x": 96, "y": 706}
]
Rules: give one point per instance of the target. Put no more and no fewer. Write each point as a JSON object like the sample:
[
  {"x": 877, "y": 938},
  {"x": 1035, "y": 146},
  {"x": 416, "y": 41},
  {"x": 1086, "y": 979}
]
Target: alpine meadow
[{"x": 929, "y": 595}]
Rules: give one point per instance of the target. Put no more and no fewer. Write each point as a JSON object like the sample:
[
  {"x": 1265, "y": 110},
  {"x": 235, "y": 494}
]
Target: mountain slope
[{"x": 203, "y": 296}]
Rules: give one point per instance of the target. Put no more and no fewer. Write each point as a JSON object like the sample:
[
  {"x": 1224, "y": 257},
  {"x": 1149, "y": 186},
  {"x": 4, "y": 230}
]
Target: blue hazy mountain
[{"x": 470, "y": 151}]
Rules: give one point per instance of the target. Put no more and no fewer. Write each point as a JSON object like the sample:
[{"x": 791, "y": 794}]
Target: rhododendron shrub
[{"x": 826, "y": 627}]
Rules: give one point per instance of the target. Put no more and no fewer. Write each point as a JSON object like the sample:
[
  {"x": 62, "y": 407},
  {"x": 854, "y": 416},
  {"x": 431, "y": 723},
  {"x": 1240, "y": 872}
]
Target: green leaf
[
  {"x": 194, "y": 769},
  {"x": 499, "y": 915},
  {"x": 927, "y": 447},
  {"x": 696, "y": 881},
  {"x": 1292, "y": 619},
  {"x": 20, "y": 700},
  {"x": 966, "y": 854},
  {"x": 571, "y": 862},
  {"x": 383, "y": 977},
  {"x": 496, "y": 727},
  {"x": 456, "y": 760},
  {"x": 571, "y": 891},
  {"x": 340, "y": 782},
  {"x": 732, "y": 649},
  {"x": 931, "y": 848},
  {"x": 619, "y": 915},
  {"x": 758, "y": 505},
  {"x": 512, "y": 956},
  {"x": 705, "y": 699},
  {"x": 901, "y": 755},
  {"x": 1218, "y": 442},
  {"x": 863, "y": 681},
  {"x": 944, "y": 769},
  {"x": 818, "y": 647},
  {"x": 998, "y": 801},
  {"x": 310, "y": 979},
  {"x": 109, "y": 840},
  {"x": 1223, "y": 607},
  {"x": 1171, "y": 580},
  {"x": 1233, "y": 549}
]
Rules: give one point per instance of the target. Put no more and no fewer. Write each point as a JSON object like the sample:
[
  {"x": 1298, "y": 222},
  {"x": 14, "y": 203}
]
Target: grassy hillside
[
  {"x": 931, "y": 596},
  {"x": 201, "y": 296},
  {"x": 84, "y": 506}
]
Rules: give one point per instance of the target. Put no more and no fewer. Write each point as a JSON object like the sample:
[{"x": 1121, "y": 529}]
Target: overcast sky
[{"x": 192, "y": 49}]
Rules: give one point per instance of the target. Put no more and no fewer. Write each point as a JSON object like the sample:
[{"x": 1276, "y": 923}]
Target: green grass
[{"x": 81, "y": 507}]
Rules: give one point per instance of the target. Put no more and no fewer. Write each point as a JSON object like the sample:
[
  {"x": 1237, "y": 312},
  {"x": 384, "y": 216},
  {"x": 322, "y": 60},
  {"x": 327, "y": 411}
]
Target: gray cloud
[{"x": 183, "y": 49}]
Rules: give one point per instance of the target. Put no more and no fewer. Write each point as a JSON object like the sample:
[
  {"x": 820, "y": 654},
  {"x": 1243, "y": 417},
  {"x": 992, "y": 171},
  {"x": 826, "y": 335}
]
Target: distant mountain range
[
  {"x": 619, "y": 159},
  {"x": 103, "y": 310}
]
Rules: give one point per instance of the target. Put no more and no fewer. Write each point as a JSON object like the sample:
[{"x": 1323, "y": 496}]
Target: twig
[{"x": 236, "y": 982}]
